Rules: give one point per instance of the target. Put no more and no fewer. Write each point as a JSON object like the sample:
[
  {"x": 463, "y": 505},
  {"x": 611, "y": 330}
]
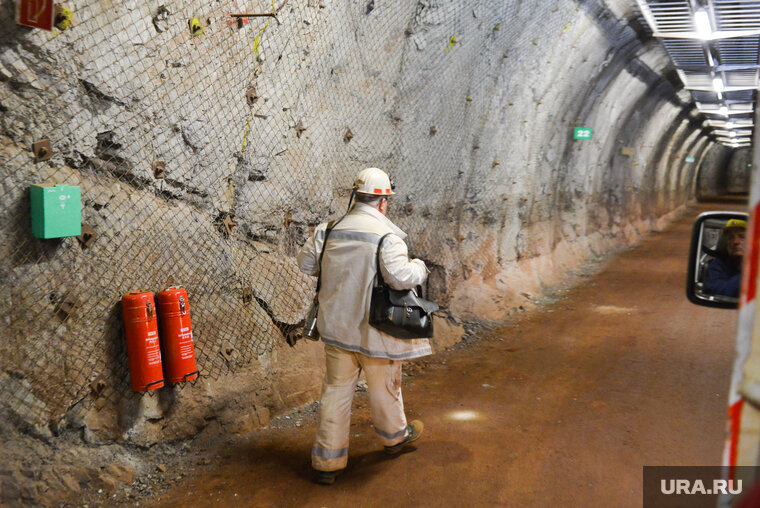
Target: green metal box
[{"x": 56, "y": 211}]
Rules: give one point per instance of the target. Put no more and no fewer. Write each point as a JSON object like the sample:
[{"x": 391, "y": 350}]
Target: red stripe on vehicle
[
  {"x": 735, "y": 415},
  {"x": 749, "y": 280}
]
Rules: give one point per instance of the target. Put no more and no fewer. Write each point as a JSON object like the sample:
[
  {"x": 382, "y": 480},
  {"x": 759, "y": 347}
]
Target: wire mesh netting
[{"x": 208, "y": 146}]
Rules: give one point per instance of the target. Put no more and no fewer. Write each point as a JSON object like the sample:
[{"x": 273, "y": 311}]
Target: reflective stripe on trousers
[{"x": 330, "y": 451}]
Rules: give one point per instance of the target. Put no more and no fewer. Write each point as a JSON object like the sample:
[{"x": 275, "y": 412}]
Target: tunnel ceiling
[{"x": 715, "y": 47}]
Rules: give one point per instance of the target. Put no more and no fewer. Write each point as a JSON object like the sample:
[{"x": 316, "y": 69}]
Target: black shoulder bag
[{"x": 400, "y": 313}]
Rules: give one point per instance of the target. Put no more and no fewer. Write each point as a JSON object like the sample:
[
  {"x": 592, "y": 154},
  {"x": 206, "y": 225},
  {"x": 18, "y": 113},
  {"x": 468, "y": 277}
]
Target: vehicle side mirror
[{"x": 715, "y": 256}]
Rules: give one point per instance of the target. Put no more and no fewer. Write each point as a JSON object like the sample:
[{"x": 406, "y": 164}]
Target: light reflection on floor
[{"x": 464, "y": 416}]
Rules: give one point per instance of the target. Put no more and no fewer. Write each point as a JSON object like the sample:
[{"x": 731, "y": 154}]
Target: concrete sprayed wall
[{"x": 470, "y": 106}]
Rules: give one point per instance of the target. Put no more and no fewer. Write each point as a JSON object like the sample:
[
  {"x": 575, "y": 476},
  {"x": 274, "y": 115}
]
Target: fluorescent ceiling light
[
  {"x": 718, "y": 85},
  {"x": 733, "y": 140},
  {"x": 718, "y": 109},
  {"x": 702, "y": 22}
]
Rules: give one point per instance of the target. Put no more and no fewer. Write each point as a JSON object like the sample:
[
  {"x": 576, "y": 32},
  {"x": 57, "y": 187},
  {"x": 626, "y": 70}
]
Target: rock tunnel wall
[
  {"x": 739, "y": 170},
  {"x": 712, "y": 177},
  {"x": 724, "y": 171},
  {"x": 470, "y": 106}
]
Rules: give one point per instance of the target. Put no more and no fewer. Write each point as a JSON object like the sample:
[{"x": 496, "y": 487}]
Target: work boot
[
  {"x": 326, "y": 477},
  {"x": 413, "y": 433}
]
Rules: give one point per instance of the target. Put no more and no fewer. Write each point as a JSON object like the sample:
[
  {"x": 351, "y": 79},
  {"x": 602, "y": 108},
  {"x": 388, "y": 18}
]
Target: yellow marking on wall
[
  {"x": 245, "y": 135},
  {"x": 452, "y": 41},
  {"x": 266, "y": 25},
  {"x": 231, "y": 194},
  {"x": 256, "y": 43}
]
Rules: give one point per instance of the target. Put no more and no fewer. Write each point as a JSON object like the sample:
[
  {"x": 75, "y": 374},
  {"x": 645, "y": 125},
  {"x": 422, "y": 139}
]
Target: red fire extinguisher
[
  {"x": 139, "y": 310},
  {"x": 176, "y": 335}
]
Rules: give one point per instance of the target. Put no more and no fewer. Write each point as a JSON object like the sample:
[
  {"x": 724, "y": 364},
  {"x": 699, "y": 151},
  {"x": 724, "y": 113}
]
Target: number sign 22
[{"x": 582, "y": 133}]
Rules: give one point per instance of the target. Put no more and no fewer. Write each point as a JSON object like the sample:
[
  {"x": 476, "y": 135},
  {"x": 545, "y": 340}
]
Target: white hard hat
[{"x": 373, "y": 181}]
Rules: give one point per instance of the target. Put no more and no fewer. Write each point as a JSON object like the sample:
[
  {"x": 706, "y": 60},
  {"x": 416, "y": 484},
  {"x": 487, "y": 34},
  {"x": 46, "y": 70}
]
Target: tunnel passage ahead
[{"x": 562, "y": 408}]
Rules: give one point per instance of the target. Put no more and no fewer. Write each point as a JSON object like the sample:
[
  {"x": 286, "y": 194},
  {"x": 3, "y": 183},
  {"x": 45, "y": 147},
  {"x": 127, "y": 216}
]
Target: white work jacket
[{"x": 348, "y": 274}]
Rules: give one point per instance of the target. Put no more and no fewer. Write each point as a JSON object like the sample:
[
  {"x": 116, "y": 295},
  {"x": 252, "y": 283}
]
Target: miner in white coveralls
[{"x": 351, "y": 344}]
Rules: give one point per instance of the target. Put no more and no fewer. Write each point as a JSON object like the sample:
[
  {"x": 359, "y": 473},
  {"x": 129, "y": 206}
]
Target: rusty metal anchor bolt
[
  {"x": 299, "y": 128},
  {"x": 196, "y": 28},
  {"x": 161, "y": 19},
  {"x": 251, "y": 96},
  {"x": 225, "y": 223},
  {"x": 227, "y": 351},
  {"x": 69, "y": 306},
  {"x": 62, "y": 17},
  {"x": 159, "y": 169},
  {"x": 88, "y": 236},
  {"x": 97, "y": 387},
  {"x": 288, "y": 220},
  {"x": 42, "y": 150}
]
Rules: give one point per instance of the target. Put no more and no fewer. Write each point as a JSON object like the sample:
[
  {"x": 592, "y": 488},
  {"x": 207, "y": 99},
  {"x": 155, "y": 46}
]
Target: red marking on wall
[{"x": 35, "y": 13}]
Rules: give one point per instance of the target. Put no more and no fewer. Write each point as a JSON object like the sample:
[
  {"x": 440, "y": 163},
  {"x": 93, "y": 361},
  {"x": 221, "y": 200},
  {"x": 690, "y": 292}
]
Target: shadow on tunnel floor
[{"x": 734, "y": 199}]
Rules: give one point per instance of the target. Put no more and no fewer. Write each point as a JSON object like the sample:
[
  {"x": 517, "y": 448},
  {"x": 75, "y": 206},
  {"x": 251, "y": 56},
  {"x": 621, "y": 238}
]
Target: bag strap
[
  {"x": 330, "y": 226},
  {"x": 380, "y": 281}
]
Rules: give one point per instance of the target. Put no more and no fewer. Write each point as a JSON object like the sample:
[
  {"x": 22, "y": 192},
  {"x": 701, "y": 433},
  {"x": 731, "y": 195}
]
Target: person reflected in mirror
[{"x": 724, "y": 273}]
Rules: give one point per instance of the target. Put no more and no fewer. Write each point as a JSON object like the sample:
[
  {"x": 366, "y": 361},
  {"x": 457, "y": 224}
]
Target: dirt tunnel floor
[{"x": 561, "y": 408}]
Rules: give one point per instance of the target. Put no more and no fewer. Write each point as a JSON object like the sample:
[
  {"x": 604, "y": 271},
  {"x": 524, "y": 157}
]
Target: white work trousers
[{"x": 330, "y": 451}]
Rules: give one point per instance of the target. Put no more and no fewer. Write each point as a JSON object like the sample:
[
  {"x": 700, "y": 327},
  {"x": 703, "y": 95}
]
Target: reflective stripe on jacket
[{"x": 348, "y": 274}]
